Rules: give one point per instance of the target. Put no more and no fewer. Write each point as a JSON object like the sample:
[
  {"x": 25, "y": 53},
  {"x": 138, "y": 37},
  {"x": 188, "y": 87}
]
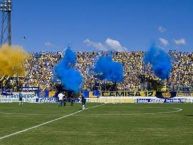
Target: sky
[{"x": 86, "y": 25}]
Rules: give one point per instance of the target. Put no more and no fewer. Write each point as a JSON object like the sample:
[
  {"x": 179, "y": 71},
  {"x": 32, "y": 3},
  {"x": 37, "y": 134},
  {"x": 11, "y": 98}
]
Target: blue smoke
[
  {"x": 107, "y": 69},
  {"x": 69, "y": 59},
  {"x": 70, "y": 78},
  {"x": 160, "y": 61}
]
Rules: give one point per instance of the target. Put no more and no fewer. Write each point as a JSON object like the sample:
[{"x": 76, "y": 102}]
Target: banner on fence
[
  {"x": 160, "y": 100},
  {"x": 127, "y": 93}
]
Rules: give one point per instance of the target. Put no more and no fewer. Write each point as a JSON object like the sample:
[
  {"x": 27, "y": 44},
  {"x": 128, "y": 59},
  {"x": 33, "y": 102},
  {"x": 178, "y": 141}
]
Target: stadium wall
[
  {"x": 137, "y": 93},
  {"x": 139, "y": 99},
  {"x": 31, "y": 97}
]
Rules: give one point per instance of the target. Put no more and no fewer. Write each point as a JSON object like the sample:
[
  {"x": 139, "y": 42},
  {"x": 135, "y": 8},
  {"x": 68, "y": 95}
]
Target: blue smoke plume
[
  {"x": 107, "y": 69},
  {"x": 160, "y": 61},
  {"x": 70, "y": 78}
]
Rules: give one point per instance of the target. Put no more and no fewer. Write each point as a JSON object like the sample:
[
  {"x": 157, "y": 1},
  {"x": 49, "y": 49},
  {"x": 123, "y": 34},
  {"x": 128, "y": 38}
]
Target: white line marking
[
  {"x": 175, "y": 111},
  {"x": 128, "y": 114},
  {"x": 7, "y": 113},
  {"x": 45, "y": 123}
]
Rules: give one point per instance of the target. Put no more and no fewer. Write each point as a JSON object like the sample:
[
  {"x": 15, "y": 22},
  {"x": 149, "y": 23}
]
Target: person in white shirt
[{"x": 61, "y": 99}]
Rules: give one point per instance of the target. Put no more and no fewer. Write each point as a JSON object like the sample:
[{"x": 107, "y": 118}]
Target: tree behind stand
[{"x": 71, "y": 96}]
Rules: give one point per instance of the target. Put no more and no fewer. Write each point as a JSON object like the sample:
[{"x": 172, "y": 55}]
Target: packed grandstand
[{"x": 137, "y": 76}]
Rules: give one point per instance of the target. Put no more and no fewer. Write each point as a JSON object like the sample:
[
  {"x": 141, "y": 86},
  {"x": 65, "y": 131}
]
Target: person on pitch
[
  {"x": 83, "y": 100},
  {"x": 61, "y": 99},
  {"x": 65, "y": 99},
  {"x": 20, "y": 98}
]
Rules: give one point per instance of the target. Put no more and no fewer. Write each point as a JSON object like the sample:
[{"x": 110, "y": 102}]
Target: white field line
[
  {"x": 45, "y": 123},
  {"x": 168, "y": 112},
  {"x": 128, "y": 114},
  {"x": 6, "y": 113}
]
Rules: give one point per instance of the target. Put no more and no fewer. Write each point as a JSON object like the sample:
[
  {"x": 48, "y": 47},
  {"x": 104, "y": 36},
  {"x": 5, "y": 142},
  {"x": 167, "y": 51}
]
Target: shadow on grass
[{"x": 190, "y": 115}]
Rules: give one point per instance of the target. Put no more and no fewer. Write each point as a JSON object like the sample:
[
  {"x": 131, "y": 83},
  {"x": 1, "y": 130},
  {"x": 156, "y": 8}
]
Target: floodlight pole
[{"x": 6, "y": 8}]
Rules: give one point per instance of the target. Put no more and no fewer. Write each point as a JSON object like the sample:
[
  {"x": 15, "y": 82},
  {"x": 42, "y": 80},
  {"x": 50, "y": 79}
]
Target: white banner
[
  {"x": 140, "y": 100},
  {"x": 29, "y": 97}
]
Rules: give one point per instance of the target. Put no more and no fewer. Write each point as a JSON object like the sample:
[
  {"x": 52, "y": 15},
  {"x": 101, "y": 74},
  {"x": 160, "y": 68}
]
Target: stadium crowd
[{"x": 39, "y": 70}]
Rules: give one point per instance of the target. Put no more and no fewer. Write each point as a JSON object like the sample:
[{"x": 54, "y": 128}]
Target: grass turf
[{"x": 110, "y": 124}]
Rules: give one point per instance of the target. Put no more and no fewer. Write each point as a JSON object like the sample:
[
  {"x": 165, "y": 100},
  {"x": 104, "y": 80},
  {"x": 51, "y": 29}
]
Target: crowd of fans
[
  {"x": 182, "y": 73},
  {"x": 39, "y": 70}
]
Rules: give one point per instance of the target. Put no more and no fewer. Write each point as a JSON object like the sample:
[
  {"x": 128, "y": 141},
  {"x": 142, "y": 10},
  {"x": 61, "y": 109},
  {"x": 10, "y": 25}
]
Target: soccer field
[{"x": 100, "y": 124}]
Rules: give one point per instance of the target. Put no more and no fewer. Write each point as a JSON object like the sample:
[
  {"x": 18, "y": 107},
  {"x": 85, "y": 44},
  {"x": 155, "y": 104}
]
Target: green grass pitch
[{"x": 109, "y": 124}]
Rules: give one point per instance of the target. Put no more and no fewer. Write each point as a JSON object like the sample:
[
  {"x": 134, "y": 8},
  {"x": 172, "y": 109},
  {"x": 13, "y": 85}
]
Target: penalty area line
[
  {"x": 132, "y": 114},
  {"x": 47, "y": 122}
]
